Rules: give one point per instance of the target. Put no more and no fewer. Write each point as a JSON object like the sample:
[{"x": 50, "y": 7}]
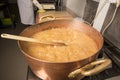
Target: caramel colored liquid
[{"x": 80, "y": 45}]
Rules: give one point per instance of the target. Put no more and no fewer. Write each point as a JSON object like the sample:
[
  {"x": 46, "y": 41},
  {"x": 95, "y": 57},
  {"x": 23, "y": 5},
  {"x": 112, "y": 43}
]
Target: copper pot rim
[{"x": 45, "y": 61}]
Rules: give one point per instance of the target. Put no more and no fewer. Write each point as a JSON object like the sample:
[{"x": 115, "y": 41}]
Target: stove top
[{"x": 111, "y": 73}]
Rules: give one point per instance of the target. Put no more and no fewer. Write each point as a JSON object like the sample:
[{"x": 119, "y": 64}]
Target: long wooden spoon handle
[
  {"x": 14, "y": 37},
  {"x": 22, "y": 38}
]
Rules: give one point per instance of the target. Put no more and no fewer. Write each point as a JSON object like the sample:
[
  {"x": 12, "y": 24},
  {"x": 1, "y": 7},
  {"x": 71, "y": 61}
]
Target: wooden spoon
[{"x": 21, "y": 38}]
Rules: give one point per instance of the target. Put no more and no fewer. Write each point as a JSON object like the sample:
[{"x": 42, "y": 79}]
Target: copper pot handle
[
  {"x": 91, "y": 68},
  {"x": 47, "y": 18}
]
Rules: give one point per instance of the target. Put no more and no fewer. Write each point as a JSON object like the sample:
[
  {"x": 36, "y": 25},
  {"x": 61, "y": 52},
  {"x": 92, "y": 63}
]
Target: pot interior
[{"x": 71, "y": 24}]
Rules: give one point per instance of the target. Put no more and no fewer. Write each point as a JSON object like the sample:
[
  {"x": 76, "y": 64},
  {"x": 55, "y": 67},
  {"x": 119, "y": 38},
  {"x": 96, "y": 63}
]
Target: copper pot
[{"x": 65, "y": 70}]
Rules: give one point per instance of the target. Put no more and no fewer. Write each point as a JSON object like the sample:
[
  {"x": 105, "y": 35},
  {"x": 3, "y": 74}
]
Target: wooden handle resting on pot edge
[{"x": 91, "y": 68}]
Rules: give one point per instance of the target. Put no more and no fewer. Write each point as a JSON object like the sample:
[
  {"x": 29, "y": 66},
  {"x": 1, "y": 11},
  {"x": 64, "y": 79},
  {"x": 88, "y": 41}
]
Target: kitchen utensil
[{"x": 28, "y": 39}]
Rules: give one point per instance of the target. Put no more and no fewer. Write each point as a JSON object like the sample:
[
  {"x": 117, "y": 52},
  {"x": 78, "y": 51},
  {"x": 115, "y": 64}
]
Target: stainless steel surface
[
  {"x": 114, "y": 78},
  {"x": 13, "y": 66}
]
